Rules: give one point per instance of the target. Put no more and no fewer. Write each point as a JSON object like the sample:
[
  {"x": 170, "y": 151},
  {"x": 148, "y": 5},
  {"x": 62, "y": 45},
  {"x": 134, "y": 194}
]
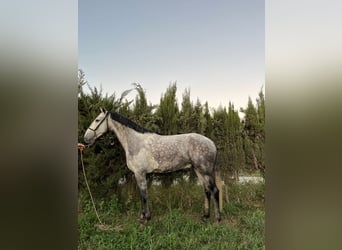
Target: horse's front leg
[
  {"x": 145, "y": 212},
  {"x": 142, "y": 184}
]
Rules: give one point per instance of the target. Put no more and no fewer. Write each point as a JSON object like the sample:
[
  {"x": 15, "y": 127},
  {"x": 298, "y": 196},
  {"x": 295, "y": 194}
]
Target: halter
[{"x": 98, "y": 125}]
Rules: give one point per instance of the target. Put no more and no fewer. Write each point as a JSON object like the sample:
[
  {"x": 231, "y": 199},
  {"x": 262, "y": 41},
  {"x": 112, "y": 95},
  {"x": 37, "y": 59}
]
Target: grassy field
[{"x": 176, "y": 220}]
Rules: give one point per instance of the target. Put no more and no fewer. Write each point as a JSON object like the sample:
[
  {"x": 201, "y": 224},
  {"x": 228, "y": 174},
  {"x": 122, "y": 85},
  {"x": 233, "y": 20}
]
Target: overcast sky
[{"x": 215, "y": 48}]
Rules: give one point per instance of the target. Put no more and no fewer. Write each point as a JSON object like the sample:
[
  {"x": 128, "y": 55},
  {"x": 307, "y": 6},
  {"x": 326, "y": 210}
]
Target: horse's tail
[{"x": 218, "y": 181}]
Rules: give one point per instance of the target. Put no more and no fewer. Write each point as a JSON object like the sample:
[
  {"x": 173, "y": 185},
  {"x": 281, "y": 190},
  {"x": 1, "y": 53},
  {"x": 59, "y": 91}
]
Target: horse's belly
[
  {"x": 169, "y": 164},
  {"x": 171, "y": 168}
]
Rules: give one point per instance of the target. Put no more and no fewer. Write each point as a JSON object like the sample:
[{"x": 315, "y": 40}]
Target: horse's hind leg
[
  {"x": 210, "y": 189},
  {"x": 216, "y": 194},
  {"x": 207, "y": 203},
  {"x": 207, "y": 194}
]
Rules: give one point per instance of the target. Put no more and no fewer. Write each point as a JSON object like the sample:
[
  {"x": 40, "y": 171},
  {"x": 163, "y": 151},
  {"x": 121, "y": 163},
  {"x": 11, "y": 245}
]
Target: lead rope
[{"x": 85, "y": 178}]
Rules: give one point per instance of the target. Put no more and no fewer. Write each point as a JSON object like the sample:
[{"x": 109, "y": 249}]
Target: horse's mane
[{"x": 128, "y": 123}]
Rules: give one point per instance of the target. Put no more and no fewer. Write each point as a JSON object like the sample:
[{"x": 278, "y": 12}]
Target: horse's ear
[{"x": 101, "y": 110}]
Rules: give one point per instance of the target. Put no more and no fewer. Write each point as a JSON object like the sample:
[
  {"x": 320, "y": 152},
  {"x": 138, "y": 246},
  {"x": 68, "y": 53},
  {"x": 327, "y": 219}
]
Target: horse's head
[{"x": 97, "y": 128}]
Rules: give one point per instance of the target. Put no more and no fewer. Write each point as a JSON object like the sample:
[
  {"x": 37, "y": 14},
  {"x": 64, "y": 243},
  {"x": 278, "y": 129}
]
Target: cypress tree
[
  {"x": 236, "y": 157},
  {"x": 185, "y": 115},
  {"x": 208, "y": 131},
  {"x": 254, "y": 133},
  {"x": 168, "y": 111}
]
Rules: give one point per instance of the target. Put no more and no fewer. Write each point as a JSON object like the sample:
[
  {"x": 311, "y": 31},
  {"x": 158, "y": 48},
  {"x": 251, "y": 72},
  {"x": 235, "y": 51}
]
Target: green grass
[{"x": 176, "y": 220}]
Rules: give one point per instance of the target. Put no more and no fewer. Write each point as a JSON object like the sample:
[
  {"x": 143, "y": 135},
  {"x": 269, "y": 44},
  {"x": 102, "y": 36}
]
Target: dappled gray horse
[{"x": 147, "y": 152}]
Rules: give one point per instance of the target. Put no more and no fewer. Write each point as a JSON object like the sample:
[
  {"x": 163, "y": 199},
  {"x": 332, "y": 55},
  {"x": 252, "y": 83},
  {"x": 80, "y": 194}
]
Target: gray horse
[{"x": 148, "y": 152}]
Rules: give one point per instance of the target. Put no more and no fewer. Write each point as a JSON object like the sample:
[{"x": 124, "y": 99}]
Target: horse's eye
[{"x": 97, "y": 120}]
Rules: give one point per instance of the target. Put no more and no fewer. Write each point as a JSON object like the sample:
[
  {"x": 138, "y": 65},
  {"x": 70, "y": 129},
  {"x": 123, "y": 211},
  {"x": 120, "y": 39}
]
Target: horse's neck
[{"x": 122, "y": 132}]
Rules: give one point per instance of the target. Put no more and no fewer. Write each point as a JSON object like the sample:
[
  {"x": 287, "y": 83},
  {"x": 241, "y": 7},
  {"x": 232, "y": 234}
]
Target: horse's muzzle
[{"x": 88, "y": 141}]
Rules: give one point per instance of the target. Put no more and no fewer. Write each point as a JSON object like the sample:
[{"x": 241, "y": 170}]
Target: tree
[
  {"x": 168, "y": 111},
  {"x": 208, "y": 131},
  {"x": 254, "y": 133},
  {"x": 81, "y": 80},
  {"x": 220, "y": 137},
  {"x": 199, "y": 120},
  {"x": 186, "y": 113},
  {"x": 251, "y": 120},
  {"x": 236, "y": 155},
  {"x": 142, "y": 112},
  {"x": 261, "y": 138}
]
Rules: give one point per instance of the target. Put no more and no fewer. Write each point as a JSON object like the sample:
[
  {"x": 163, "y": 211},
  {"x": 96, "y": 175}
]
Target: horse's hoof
[
  {"x": 142, "y": 221},
  {"x": 217, "y": 220},
  {"x": 205, "y": 217},
  {"x": 147, "y": 217}
]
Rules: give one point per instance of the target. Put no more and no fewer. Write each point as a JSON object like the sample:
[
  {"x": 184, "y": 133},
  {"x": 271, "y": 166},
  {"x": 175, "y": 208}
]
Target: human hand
[{"x": 80, "y": 146}]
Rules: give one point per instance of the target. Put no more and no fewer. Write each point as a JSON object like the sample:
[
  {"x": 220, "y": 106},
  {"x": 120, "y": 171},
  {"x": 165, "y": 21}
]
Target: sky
[{"x": 213, "y": 48}]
